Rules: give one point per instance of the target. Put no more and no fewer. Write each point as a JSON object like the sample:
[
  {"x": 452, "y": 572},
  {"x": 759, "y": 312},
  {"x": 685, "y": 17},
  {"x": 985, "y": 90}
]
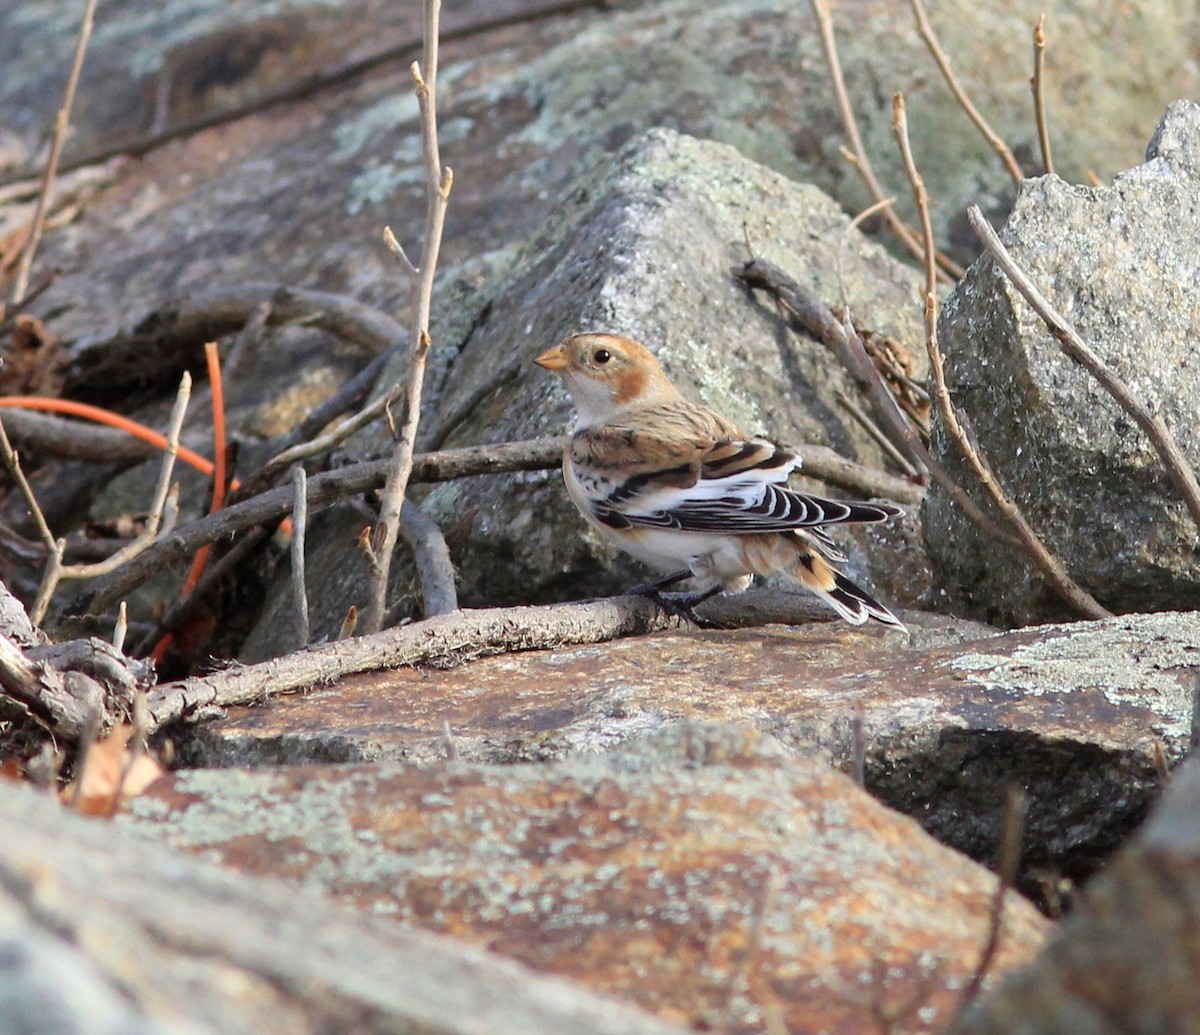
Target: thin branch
[
  {"x": 58, "y": 141},
  {"x": 1050, "y": 566},
  {"x": 13, "y": 462},
  {"x": 444, "y": 640},
  {"x": 435, "y": 570},
  {"x": 166, "y": 339},
  {"x": 1038, "y": 84},
  {"x": 925, "y": 29},
  {"x": 121, "y": 628},
  {"x": 300, "y": 443},
  {"x": 1012, "y": 830},
  {"x": 815, "y": 317},
  {"x": 162, "y": 516},
  {"x": 59, "y": 436},
  {"x": 873, "y": 429},
  {"x": 299, "y": 529},
  {"x": 906, "y": 234},
  {"x": 1177, "y": 466},
  {"x": 438, "y": 183},
  {"x": 539, "y": 454}
]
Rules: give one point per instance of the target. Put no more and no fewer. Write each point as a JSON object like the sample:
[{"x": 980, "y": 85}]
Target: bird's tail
[{"x": 822, "y": 579}]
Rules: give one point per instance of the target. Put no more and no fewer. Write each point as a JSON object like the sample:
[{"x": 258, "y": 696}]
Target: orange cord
[
  {"x": 216, "y": 471},
  {"x": 113, "y": 420}
]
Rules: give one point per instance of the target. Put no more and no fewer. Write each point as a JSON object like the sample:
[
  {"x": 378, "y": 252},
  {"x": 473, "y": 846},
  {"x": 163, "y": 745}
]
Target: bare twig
[
  {"x": 445, "y": 465},
  {"x": 858, "y": 744},
  {"x": 121, "y": 628},
  {"x": 439, "y": 180},
  {"x": 943, "y": 62},
  {"x": 1012, "y": 830},
  {"x": 13, "y": 462},
  {"x": 349, "y": 623},
  {"x": 444, "y": 640},
  {"x": 246, "y": 339},
  {"x": 861, "y": 162},
  {"x": 1177, "y": 466},
  {"x": 814, "y": 316},
  {"x": 435, "y": 570},
  {"x": 1038, "y": 84},
  {"x": 299, "y": 528},
  {"x": 161, "y": 518},
  {"x": 58, "y": 140},
  {"x": 1050, "y": 566},
  {"x": 323, "y": 444},
  {"x": 873, "y": 429},
  {"x": 166, "y": 340},
  {"x": 300, "y": 444}
]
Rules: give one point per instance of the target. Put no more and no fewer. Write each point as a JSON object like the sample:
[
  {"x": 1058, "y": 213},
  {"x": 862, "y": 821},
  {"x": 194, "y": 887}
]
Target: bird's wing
[{"x": 701, "y": 484}]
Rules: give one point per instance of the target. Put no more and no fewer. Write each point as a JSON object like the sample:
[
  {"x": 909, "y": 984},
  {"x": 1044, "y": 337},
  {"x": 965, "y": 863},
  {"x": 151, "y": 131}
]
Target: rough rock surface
[
  {"x": 1121, "y": 263},
  {"x": 103, "y": 932},
  {"x": 644, "y": 247},
  {"x": 1071, "y": 713},
  {"x": 703, "y": 873},
  {"x": 1125, "y": 961}
]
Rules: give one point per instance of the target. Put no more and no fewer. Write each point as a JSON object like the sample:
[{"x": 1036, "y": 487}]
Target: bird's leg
[{"x": 681, "y": 607}]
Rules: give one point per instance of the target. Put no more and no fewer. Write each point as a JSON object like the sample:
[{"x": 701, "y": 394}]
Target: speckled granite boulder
[
  {"x": 703, "y": 873},
  {"x": 1123, "y": 264}
]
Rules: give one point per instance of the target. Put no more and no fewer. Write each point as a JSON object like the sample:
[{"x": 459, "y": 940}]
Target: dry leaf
[{"x": 112, "y": 773}]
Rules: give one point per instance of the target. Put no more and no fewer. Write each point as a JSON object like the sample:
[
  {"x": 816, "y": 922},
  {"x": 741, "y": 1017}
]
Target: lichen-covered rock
[
  {"x": 703, "y": 873},
  {"x": 1122, "y": 263},
  {"x": 1072, "y": 713}
]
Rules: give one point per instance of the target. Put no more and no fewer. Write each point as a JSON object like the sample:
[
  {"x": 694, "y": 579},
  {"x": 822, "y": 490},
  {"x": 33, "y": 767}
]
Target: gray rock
[{"x": 1121, "y": 263}]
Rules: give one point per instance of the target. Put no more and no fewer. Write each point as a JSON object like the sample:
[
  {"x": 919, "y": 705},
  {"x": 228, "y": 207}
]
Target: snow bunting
[{"x": 686, "y": 491}]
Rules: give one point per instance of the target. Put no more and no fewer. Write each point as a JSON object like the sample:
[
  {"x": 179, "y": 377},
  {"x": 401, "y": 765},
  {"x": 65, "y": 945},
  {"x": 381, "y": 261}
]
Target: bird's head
[{"x": 606, "y": 374}]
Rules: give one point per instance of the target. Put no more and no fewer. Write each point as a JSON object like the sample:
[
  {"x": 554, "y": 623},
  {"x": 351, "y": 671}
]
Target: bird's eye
[{"x": 602, "y": 356}]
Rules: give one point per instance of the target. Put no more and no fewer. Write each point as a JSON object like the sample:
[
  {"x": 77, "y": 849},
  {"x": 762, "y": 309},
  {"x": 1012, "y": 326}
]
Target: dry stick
[
  {"x": 443, "y": 640},
  {"x": 816, "y": 318},
  {"x": 121, "y": 628},
  {"x": 1177, "y": 466},
  {"x": 1012, "y": 829},
  {"x": 161, "y": 517},
  {"x": 876, "y": 433},
  {"x": 299, "y": 527},
  {"x": 300, "y": 443},
  {"x": 1050, "y": 566},
  {"x": 943, "y": 62},
  {"x": 906, "y": 234},
  {"x": 438, "y": 183},
  {"x": 435, "y": 570},
  {"x": 56, "y": 146},
  {"x": 1038, "y": 84},
  {"x": 537, "y": 454},
  {"x": 13, "y": 462},
  {"x": 153, "y": 346}
]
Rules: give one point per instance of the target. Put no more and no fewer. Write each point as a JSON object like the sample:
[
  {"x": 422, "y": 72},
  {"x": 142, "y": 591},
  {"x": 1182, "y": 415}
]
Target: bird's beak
[{"x": 553, "y": 359}]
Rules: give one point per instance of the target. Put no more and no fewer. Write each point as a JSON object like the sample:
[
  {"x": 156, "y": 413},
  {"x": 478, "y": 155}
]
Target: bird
[{"x": 686, "y": 491}]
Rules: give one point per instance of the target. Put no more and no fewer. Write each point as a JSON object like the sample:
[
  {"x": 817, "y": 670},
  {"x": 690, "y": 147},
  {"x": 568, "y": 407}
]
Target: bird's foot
[{"x": 682, "y": 606}]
